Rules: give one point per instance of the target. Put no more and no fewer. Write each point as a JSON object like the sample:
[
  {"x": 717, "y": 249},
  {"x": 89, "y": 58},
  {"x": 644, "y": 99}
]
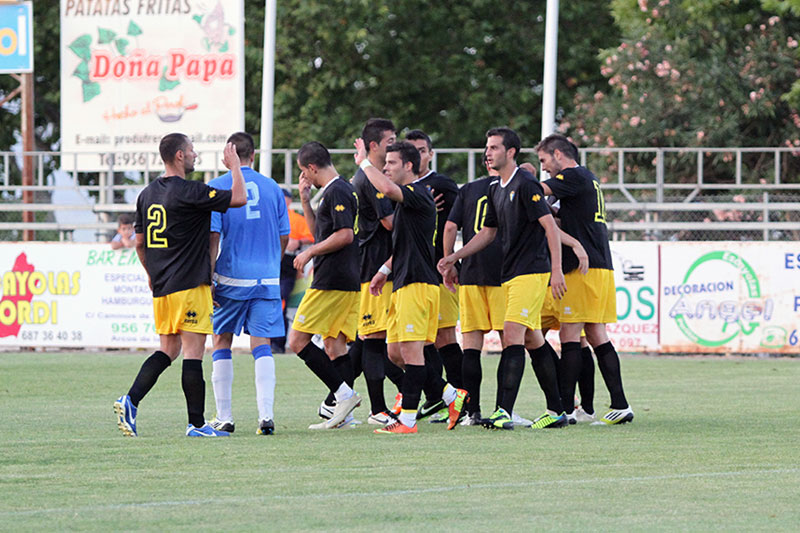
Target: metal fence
[{"x": 650, "y": 193}]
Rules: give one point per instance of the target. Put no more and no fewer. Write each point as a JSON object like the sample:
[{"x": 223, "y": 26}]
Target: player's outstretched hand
[
  {"x": 450, "y": 279},
  {"x": 301, "y": 259},
  {"x": 229, "y": 157},
  {"x": 583, "y": 259},
  {"x": 361, "y": 150},
  {"x": 377, "y": 283},
  {"x": 446, "y": 263},
  {"x": 558, "y": 285}
]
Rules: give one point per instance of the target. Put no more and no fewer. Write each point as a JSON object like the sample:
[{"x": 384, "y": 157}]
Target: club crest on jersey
[
  {"x": 536, "y": 198},
  {"x": 511, "y": 195},
  {"x": 339, "y": 207},
  {"x": 212, "y": 193}
]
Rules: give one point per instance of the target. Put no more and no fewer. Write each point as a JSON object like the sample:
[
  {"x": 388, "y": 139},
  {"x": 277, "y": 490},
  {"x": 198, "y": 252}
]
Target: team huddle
[{"x": 388, "y": 288}]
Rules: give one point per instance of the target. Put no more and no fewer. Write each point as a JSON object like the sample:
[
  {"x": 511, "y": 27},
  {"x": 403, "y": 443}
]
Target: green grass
[{"x": 714, "y": 447}]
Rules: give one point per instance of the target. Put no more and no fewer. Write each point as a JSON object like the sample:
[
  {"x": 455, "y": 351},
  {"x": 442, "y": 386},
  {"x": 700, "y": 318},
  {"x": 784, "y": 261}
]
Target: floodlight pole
[
  {"x": 268, "y": 87},
  {"x": 550, "y": 65}
]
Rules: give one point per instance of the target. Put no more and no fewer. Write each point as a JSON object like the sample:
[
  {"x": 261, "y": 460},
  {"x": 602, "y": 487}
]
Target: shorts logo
[
  {"x": 410, "y": 328},
  {"x": 191, "y": 317},
  {"x": 339, "y": 207},
  {"x": 567, "y": 310},
  {"x": 301, "y": 318},
  {"x": 366, "y": 320},
  {"x": 524, "y": 312}
]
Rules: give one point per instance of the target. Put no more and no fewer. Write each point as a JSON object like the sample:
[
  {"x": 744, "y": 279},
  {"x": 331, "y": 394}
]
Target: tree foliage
[{"x": 694, "y": 73}]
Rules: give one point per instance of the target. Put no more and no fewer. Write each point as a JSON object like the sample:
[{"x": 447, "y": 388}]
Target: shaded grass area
[{"x": 713, "y": 446}]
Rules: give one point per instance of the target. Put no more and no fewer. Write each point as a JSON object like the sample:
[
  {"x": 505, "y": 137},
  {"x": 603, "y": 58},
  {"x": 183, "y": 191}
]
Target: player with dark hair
[
  {"x": 591, "y": 301},
  {"x": 125, "y": 236},
  {"x": 445, "y": 351},
  {"x": 517, "y": 209},
  {"x": 414, "y": 308},
  {"x": 375, "y": 217},
  {"x": 173, "y": 218},
  {"x": 247, "y": 276},
  {"x": 330, "y": 307}
]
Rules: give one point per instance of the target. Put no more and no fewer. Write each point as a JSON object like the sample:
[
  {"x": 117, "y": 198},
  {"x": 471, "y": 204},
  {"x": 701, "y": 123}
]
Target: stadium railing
[{"x": 650, "y": 193}]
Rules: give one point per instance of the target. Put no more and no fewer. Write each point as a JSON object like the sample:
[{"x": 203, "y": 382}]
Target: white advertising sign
[
  {"x": 636, "y": 277},
  {"x": 730, "y": 297},
  {"x": 134, "y": 70}
]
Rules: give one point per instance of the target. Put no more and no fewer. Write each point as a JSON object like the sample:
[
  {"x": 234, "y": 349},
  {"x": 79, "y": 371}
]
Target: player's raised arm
[
  {"x": 238, "y": 189},
  {"x": 381, "y": 182}
]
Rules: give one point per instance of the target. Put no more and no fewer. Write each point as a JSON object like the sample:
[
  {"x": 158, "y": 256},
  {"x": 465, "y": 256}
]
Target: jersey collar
[
  {"x": 504, "y": 185},
  {"x": 423, "y": 177},
  {"x": 322, "y": 191}
]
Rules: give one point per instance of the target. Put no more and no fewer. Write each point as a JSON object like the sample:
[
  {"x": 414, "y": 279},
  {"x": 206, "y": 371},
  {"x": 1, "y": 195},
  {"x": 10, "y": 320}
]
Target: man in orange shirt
[{"x": 299, "y": 236}]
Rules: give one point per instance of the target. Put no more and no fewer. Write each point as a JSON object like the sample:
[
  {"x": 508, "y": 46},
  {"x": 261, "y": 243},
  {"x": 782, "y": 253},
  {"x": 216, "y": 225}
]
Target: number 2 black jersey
[
  {"x": 412, "y": 238},
  {"x": 440, "y": 184},
  {"x": 468, "y": 213},
  {"x": 174, "y": 216},
  {"x": 515, "y": 209},
  {"x": 336, "y": 271},
  {"x": 374, "y": 241},
  {"x": 583, "y": 216}
]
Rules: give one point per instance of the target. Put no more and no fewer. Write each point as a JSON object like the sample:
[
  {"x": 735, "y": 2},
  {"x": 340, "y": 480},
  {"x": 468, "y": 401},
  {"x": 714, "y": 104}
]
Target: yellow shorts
[
  {"x": 482, "y": 308},
  {"x": 524, "y": 298},
  {"x": 373, "y": 311},
  {"x": 328, "y": 313},
  {"x": 590, "y": 298},
  {"x": 413, "y": 313},
  {"x": 550, "y": 312},
  {"x": 188, "y": 310},
  {"x": 448, "y": 307}
]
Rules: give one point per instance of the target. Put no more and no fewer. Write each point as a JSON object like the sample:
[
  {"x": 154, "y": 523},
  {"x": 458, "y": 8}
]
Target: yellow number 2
[{"x": 157, "y": 223}]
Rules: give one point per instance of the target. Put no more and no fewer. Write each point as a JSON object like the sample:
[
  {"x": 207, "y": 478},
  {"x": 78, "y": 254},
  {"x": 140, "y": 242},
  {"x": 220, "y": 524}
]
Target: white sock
[
  {"x": 265, "y": 387},
  {"x": 408, "y": 418},
  {"x": 222, "y": 380},
  {"x": 343, "y": 392},
  {"x": 449, "y": 394}
]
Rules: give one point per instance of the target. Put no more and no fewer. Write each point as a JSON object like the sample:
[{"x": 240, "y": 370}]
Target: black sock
[
  {"x": 569, "y": 372},
  {"x": 434, "y": 383},
  {"x": 148, "y": 374},
  {"x": 372, "y": 357},
  {"x": 545, "y": 371},
  {"x": 452, "y": 357},
  {"x": 194, "y": 388},
  {"x": 473, "y": 375},
  {"x": 322, "y": 367},
  {"x": 393, "y": 372},
  {"x": 513, "y": 361},
  {"x": 586, "y": 380},
  {"x": 608, "y": 362},
  {"x": 413, "y": 379},
  {"x": 344, "y": 367},
  {"x": 499, "y": 394},
  {"x": 355, "y": 351}
]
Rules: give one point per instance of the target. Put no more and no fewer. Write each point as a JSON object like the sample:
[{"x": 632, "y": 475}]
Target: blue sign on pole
[{"x": 16, "y": 38}]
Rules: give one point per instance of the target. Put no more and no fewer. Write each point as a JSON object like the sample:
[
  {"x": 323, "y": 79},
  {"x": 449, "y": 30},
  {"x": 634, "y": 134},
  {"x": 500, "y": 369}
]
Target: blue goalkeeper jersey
[{"x": 249, "y": 263}]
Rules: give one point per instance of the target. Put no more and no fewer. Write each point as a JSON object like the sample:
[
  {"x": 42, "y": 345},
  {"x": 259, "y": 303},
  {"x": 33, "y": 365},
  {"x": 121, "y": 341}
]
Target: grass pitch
[{"x": 714, "y": 446}]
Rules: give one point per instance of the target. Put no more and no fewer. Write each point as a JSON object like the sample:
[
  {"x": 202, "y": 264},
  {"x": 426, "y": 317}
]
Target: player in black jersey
[
  {"x": 445, "y": 351},
  {"x": 481, "y": 300},
  {"x": 375, "y": 215},
  {"x": 414, "y": 308},
  {"x": 330, "y": 307},
  {"x": 173, "y": 219},
  {"x": 591, "y": 302},
  {"x": 518, "y": 210}
]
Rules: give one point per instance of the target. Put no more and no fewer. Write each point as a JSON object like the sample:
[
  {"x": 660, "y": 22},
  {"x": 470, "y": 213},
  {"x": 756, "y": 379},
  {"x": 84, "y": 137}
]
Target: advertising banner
[
  {"x": 16, "y": 37},
  {"x": 133, "y": 71},
  {"x": 730, "y": 297}
]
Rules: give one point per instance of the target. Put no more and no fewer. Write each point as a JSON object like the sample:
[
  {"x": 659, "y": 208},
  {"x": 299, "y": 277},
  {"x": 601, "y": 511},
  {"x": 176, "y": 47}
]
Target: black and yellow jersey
[
  {"x": 374, "y": 240},
  {"x": 413, "y": 236},
  {"x": 338, "y": 209},
  {"x": 440, "y": 184}
]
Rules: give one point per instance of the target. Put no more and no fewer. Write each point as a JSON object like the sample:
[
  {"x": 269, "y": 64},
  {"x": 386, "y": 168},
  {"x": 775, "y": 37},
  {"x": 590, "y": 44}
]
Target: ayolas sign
[{"x": 135, "y": 70}]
